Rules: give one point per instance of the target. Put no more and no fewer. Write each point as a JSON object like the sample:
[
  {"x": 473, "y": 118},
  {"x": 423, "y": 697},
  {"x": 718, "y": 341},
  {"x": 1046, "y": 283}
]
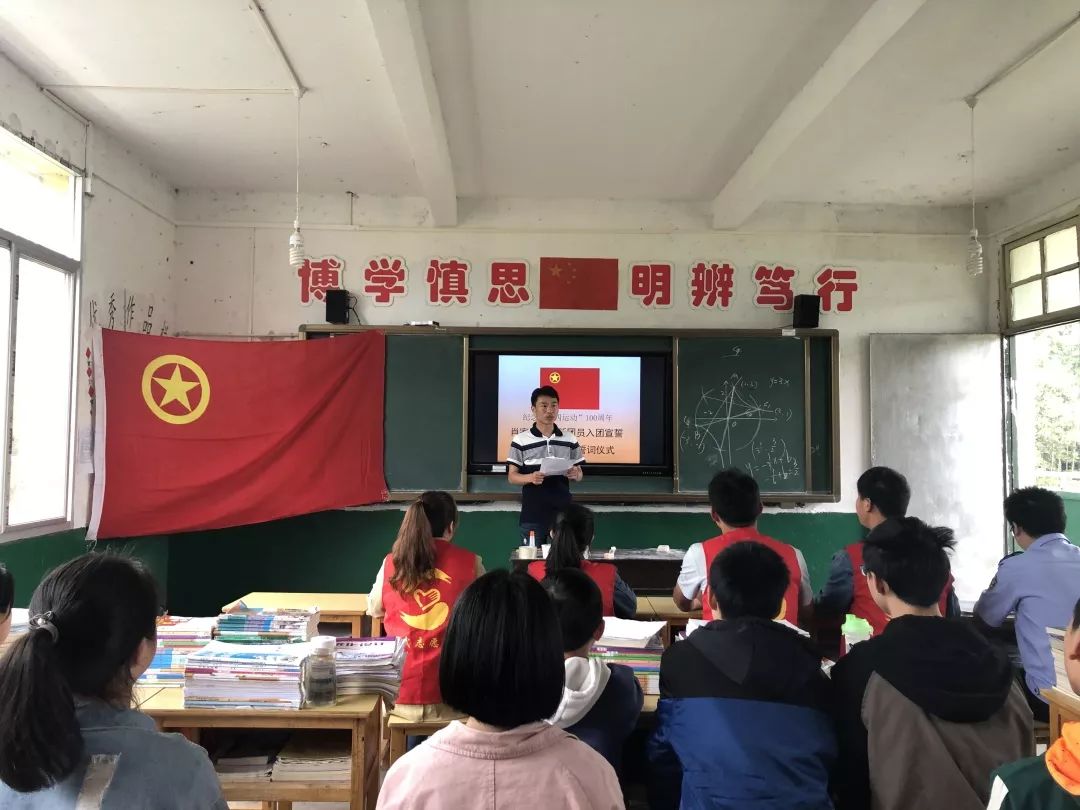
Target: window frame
[
  {"x": 23, "y": 248},
  {"x": 1013, "y": 326}
]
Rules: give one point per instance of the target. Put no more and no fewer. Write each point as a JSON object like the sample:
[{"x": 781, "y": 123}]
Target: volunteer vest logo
[
  {"x": 554, "y": 378},
  {"x": 178, "y": 396},
  {"x": 433, "y": 610}
]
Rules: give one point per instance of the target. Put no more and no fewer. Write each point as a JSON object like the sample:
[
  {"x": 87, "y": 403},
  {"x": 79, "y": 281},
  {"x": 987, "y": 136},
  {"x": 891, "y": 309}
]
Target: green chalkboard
[
  {"x": 423, "y": 378},
  {"x": 742, "y": 403}
]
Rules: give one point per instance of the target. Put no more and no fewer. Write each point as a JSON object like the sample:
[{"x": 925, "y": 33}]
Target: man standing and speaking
[{"x": 542, "y": 496}]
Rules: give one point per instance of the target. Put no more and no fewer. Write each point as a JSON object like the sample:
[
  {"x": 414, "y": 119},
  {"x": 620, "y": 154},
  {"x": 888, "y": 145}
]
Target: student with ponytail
[
  {"x": 68, "y": 737},
  {"x": 7, "y": 599},
  {"x": 571, "y": 538},
  {"x": 415, "y": 589}
]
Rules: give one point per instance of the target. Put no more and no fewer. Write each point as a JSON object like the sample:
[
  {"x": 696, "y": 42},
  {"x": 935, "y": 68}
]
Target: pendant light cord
[
  {"x": 298, "y": 159},
  {"x": 971, "y": 101}
]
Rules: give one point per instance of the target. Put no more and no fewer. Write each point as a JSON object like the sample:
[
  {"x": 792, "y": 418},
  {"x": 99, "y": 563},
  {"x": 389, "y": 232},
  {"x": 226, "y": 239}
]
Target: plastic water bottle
[
  {"x": 320, "y": 673},
  {"x": 532, "y": 539},
  {"x": 855, "y": 630}
]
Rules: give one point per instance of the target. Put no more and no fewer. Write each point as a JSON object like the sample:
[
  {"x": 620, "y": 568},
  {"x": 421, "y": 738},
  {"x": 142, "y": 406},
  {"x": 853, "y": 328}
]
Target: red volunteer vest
[
  {"x": 789, "y": 608},
  {"x": 421, "y": 618},
  {"x": 603, "y": 574},
  {"x": 863, "y": 604}
]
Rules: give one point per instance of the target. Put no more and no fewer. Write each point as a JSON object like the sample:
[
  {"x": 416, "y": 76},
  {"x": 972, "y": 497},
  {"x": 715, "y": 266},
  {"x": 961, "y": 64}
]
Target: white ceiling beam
[
  {"x": 399, "y": 32},
  {"x": 749, "y": 186}
]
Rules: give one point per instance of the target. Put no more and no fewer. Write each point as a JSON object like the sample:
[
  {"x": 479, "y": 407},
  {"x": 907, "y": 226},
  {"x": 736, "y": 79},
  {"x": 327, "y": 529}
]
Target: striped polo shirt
[{"x": 539, "y": 504}]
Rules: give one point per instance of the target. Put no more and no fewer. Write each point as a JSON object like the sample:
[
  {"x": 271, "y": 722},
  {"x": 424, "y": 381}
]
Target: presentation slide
[{"x": 599, "y": 401}]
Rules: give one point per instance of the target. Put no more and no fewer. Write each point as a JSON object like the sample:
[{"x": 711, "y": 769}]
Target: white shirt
[{"x": 694, "y": 574}]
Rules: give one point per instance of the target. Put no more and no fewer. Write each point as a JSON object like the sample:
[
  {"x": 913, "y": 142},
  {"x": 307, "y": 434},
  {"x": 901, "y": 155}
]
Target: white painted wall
[
  {"x": 235, "y": 279},
  {"x": 128, "y": 233}
]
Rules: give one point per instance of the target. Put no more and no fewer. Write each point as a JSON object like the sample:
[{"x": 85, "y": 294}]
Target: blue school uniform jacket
[{"x": 742, "y": 722}]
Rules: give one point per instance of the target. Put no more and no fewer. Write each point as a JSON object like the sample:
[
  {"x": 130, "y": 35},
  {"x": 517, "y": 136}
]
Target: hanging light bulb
[
  {"x": 297, "y": 255},
  {"x": 975, "y": 249}
]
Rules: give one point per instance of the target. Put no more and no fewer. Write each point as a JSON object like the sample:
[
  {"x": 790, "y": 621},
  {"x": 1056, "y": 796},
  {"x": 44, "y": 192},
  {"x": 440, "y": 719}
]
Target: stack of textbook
[
  {"x": 244, "y": 625},
  {"x": 1057, "y": 650},
  {"x": 245, "y": 676},
  {"x": 177, "y": 638},
  {"x": 633, "y": 644}
]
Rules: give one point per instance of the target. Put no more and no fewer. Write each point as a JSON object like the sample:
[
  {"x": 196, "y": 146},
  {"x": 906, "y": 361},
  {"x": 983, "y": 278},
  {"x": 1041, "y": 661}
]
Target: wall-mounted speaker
[
  {"x": 337, "y": 306},
  {"x": 806, "y": 312}
]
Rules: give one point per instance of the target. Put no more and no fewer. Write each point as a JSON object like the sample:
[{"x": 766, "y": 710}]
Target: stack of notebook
[
  {"x": 314, "y": 757},
  {"x": 244, "y": 625},
  {"x": 266, "y": 676},
  {"x": 177, "y": 638},
  {"x": 370, "y": 666}
]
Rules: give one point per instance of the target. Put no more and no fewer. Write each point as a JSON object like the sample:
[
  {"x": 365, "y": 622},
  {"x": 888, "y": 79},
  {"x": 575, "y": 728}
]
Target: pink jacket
[{"x": 536, "y": 765}]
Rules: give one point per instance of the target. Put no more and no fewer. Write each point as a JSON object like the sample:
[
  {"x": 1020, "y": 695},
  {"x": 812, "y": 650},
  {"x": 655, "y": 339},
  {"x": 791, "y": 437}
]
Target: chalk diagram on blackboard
[{"x": 729, "y": 421}]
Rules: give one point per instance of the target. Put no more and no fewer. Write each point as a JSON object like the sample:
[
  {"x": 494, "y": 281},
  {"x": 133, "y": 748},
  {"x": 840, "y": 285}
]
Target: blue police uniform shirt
[{"x": 1042, "y": 586}]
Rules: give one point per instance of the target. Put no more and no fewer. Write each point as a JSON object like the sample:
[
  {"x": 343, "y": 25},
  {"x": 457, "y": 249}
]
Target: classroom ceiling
[{"x": 735, "y": 102}]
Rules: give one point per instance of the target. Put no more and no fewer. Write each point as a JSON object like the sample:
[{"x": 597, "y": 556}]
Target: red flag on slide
[
  {"x": 200, "y": 434},
  {"x": 579, "y": 388},
  {"x": 579, "y": 283}
]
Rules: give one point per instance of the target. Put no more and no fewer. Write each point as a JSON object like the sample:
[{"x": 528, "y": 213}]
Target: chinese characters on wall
[{"x": 706, "y": 284}]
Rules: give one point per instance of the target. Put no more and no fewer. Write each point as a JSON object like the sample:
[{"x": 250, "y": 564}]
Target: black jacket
[{"x": 940, "y": 668}]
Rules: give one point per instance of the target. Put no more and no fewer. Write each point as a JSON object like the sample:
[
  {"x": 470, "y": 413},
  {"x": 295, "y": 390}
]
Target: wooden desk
[
  {"x": 358, "y": 714},
  {"x": 141, "y": 694},
  {"x": 664, "y": 609},
  {"x": 334, "y": 608},
  {"x": 1064, "y": 708}
]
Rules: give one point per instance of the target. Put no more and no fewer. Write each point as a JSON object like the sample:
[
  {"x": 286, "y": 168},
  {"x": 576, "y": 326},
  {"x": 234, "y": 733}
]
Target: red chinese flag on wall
[
  {"x": 579, "y": 388},
  {"x": 199, "y": 434},
  {"x": 579, "y": 283}
]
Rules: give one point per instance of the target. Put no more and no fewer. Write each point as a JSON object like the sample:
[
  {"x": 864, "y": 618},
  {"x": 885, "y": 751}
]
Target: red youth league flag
[
  {"x": 579, "y": 388},
  {"x": 579, "y": 283},
  {"x": 201, "y": 434}
]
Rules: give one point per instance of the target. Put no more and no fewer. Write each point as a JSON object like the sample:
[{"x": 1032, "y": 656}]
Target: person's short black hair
[
  {"x": 578, "y": 604},
  {"x": 7, "y": 590},
  {"x": 544, "y": 391},
  {"x": 748, "y": 579},
  {"x": 1036, "y": 511},
  {"x": 911, "y": 557},
  {"x": 735, "y": 497},
  {"x": 502, "y": 660},
  {"x": 886, "y": 489},
  {"x": 1076, "y": 616}
]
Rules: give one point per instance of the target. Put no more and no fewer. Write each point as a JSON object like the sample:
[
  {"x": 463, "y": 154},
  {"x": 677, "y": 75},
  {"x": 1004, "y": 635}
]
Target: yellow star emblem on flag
[
  {"x": 165, "y": 388},
  {"x": 554, "y": 377}
]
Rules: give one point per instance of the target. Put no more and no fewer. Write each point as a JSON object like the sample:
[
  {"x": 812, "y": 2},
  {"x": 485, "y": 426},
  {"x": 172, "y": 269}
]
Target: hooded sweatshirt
[
  {"x": 1049, "y": 782},
  {"x": 535, "y": 765},
  {"x": 600, "y": 705},
  {"x": 742, "y": 721},
  {"x": 924, "y": 713}
]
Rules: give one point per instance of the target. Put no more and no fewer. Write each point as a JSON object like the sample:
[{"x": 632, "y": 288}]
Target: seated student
[
  {"x": 883, "y": 495},
  {"x": 68, "y": 735},
  {"x": 571, "y": 538},
  {"x": 1040, "y": 585},
  {"x": 743, "y": 719},
  {"x": 1052, "y": 781},
  {"x": 502, "y": 666},
  {"x": 416, "y": 587},
  {"x": 600, "y": 702},
  {"x": 736, "y": 506},
  {"x": 7, "y": 599},
  {"x": 926, "y": 710}
]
